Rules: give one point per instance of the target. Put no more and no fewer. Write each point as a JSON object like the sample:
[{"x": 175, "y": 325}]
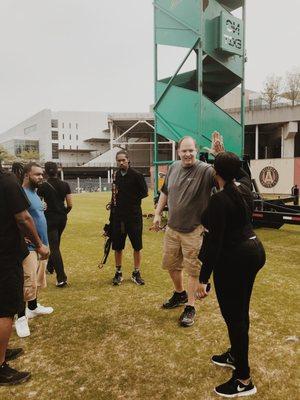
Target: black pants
[
  {"x": 55, "y": 260},
  {"x": 234, "y": 279}
]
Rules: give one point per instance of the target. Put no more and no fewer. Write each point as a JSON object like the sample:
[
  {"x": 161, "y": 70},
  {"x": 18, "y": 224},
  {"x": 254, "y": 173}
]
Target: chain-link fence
[{"x": 84, "y": 185}]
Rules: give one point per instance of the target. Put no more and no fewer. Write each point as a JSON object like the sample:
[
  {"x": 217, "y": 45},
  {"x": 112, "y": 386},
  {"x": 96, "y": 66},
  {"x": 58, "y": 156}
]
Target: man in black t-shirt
[
  {"x": 15, "y": 221},
  {"x": 56, "y": 193},
  {"x": 131, "y": 188}
]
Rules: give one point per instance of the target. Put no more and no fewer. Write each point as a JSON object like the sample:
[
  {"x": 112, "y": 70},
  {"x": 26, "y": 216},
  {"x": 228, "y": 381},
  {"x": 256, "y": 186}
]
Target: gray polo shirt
[{"x": 188, "y": 190}]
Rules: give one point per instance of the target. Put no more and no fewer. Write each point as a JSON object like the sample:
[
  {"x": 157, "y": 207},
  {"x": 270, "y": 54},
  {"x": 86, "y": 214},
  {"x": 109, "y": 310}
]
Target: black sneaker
[
  {"x": 12, "y": 354},
  {"x": 224, "y": 360},
  {"x": 187, "y": 318},
  {"x": 117, "y": 279},
  {"x": 10, "y": 376},
  {"x": 235, "y": 388},
  {"x": 178, "y": 299},
  {"x": 136, "y": 278},
  {"x": 62, "y": 284}
]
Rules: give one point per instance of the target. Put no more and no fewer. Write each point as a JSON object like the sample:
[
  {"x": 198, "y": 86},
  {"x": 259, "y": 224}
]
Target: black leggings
[
  {"x": 55, "y": 259},
  {"x": 234, "y": 279}
]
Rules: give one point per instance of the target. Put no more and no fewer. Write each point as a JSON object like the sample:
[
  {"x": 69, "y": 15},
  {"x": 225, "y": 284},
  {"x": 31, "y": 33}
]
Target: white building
[{"x": 67, "y": 137}]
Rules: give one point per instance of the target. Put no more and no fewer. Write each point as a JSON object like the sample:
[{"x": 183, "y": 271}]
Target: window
[
  {"x": 30, "y": 129},
  {"x": 54, "y": 123},
  {"x": 54, "y": 150},
  {"x": 63, "y": 136},
  {"x": 63, "y": 124},
  {"x": 63, "y": 146},
  {"x": 76, "y": 125},
  {"x": 25, "y": 145},
  {"x": 70, "y": 147},
  {"x": 70, "y": 137},
  {"x": 77, "y": 147},
  {"x": 70, "y": 125},
  {"x": 54, "y": 135},
  {"x": 76, "y": 137}
]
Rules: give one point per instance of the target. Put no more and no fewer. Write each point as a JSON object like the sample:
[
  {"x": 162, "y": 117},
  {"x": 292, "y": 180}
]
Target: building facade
[{"x": 66, "y": 137}]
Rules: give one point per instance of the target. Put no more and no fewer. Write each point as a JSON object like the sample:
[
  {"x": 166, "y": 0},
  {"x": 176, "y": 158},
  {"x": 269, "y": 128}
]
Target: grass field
[{"x": 108, "y": 343}]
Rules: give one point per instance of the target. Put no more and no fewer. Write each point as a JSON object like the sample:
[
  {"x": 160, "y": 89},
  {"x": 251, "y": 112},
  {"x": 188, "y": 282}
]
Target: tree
[
  {"x": 29, "y": 155},
  {"x": 271, "y": 90},
  {"x": 292, "y": 86},
  {"x": 5, "y": 156}
]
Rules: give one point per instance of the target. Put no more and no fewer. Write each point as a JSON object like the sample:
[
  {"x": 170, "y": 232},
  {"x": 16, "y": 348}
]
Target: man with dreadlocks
[
  {"x": 17, "y": 168},
  {"x": 131, "y": 188}
]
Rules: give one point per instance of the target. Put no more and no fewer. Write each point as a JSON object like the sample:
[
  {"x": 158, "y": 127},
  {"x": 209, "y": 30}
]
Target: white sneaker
[
  {"x": 22, "y": 327},
  {"x": 40, "y": 310}
]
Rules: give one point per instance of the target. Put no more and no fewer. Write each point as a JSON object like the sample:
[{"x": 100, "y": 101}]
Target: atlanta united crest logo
[{"x": 268, "y": 177}]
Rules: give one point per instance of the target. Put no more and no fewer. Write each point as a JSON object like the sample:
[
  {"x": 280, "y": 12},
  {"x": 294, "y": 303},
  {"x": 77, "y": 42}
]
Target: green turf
[{"x": 105, "y": 342}]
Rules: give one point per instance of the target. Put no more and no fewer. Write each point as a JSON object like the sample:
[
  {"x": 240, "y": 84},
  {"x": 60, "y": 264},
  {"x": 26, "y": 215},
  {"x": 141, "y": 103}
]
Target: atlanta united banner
[{"x": 275, "y": 176}]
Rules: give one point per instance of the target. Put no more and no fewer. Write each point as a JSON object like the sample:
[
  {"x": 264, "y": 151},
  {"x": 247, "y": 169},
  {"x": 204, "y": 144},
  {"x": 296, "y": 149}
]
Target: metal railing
[{"x": 261, "y": 107}]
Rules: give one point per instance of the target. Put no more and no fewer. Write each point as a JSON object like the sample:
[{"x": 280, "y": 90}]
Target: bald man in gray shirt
[{"x": 186, "y": 191}]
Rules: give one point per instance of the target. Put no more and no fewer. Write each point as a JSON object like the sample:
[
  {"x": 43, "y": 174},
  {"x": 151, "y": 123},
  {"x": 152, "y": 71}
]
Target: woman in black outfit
[
  {"x": 56, "y": 193},
  {"x": 233, "y": 252}
]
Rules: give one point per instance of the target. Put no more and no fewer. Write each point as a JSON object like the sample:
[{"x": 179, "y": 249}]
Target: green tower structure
[{"x": 185, "y": 103}]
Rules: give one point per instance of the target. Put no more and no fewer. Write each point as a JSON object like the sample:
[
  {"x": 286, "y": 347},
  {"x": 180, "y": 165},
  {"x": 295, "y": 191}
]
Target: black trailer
[{"x": 276, "y": 212}]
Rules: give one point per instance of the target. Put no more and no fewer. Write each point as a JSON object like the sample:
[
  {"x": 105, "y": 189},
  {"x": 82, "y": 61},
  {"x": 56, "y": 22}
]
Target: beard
[{"x": 34, "y": 184}]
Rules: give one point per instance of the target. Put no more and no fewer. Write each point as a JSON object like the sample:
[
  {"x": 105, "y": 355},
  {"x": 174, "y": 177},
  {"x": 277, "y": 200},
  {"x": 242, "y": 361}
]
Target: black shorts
[
  {"x": 11, "y": 288},
  {"x": 132, "y": 227}
]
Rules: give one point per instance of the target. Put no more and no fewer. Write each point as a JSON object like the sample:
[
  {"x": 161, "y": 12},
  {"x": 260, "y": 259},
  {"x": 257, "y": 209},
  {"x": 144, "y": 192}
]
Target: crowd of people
[{"x": 209, "y": 230}]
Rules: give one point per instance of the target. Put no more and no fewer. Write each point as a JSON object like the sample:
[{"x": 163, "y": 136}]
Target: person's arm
[
  {"x": 142, "y": 186},
  {"x": 162, "y": 202},
  {"x": 17, "y": 203},
  {"x": 69, "y": 202},
  {"x": 213, "y": 242},
  {"x": 244, "y": 178},
  {"x": 27, "y": 228}
]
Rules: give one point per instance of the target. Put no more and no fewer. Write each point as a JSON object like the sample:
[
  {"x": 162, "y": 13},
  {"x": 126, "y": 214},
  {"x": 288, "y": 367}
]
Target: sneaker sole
[
  {"x": 186, "y": 325},
  {"x": 22, "y": 336},
  {"x": 22, "y": 380},
  {"x": 118, "y": 284},
  {"x": 38, "y": 315},
  {"x": 223, "y": 365},
  {"x": 241, "y": 394},
  {"x": 175, "y": 306},
  {"x": 137, "y": 283}
]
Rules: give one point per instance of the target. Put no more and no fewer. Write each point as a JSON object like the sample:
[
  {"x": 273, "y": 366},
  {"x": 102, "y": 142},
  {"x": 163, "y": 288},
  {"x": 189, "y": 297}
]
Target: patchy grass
[{"x": 108, "y": 343}]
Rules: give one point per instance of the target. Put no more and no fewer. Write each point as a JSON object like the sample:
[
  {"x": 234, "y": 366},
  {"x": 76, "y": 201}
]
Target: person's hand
[
  {"x": 43, "y": 251},
  {"x": 44, "y": 205},
  {"x": 201, "y": 291},
  {"x": 156, "y": 223},
  {"x": 27, "y": 240},
  {"x": 217, "y": 143}
]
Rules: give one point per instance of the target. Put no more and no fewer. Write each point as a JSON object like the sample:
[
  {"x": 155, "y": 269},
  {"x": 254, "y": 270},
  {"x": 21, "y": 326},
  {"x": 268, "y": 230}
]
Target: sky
[{"x": 97, "y": 55}]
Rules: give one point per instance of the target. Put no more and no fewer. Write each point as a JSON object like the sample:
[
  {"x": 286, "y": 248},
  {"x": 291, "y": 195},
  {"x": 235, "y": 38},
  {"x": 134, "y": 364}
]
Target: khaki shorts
[
  {"x": 34, "y": 275},
  {"x": 181, "y": 251}
]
